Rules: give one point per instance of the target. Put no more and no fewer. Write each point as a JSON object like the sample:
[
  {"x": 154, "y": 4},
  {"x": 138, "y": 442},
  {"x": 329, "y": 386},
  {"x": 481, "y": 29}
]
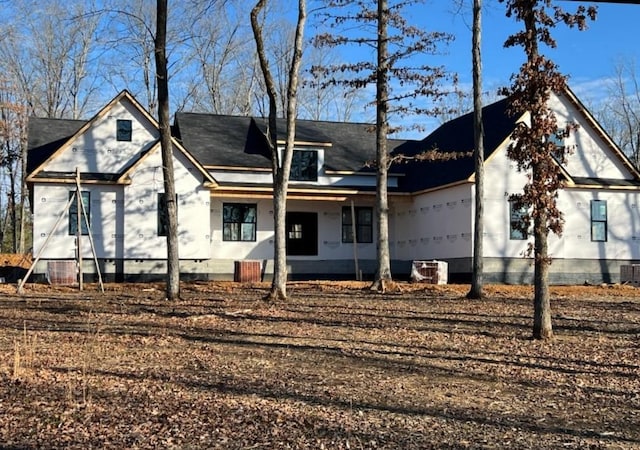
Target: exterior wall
[
  {"x": 97, "y": 150},
  {"x": 141, "y": 211},
  {"x": 591, "y": 157},
  {"x": 334, "y": 256},
  {"x": 124, "y": 221},
  {"x": 106, "y": 216}
]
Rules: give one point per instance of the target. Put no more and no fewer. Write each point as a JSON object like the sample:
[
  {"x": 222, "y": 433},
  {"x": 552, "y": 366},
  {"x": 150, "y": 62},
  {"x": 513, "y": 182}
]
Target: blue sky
[{"x": 587, "y": 57}]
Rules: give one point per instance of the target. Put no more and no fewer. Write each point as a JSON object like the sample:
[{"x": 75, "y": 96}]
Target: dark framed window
[
  {"x": 163, "y": 214},
  {"x": 73, "y": 213},
  {"x": 123, "y": 130},
  {"x": 239, "y": 221},
  {"x": 364, "y": 224},
  {"x": 517, "y": 213},
  {"x": 598, "y": 220},
  {"x": 304, "y": 165}
]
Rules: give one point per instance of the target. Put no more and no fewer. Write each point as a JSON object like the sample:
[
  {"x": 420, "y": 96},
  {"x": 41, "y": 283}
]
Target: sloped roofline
[
  {"x": 582, "y": 109},
  {"x": 124, "y": 94},
  {"x": 571, "y": 96},
  {"x": 209, "y": 180}
]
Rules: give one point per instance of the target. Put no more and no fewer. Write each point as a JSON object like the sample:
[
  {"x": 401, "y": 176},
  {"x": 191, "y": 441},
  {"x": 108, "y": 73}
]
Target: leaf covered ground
[{"x": 334, "y": 367}]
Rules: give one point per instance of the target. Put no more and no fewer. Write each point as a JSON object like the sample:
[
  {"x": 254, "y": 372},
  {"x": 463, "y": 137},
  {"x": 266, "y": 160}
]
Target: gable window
[
  {"x": 123, "y": 130},
  {"x": 239, "y": 221},
  {"x": 163, "y": 214},
  {"x": 364, "y": 224},
  {"x": 73, "y": 213},
  {"x": 304, "y": 165},
  {"x": 598, "y": 220},
  {"x": 516, "y": 222}
]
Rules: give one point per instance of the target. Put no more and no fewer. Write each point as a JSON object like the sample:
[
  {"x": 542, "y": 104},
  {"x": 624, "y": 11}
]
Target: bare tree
[
  {"x": 398, "y": 83},
  {"x": 619, "y": 113},
  {"x": 173, "y": 260},
  {"x": 533, "y": 148},
  {"x": 280, "y": 164},
  {"x": 12, "y": 132},
  {"x": 48, "y": 57},
  {"x": 478, "y": 137}
]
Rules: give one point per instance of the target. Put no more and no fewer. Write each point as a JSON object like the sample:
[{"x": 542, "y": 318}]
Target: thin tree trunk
[
  {"x": 173, "y": 261},
  {"x": 542, "y": 305},
  {"x": 23, "y": 199},
  {"x": 383, "y": 274},
  {"x": 478, "y": 136}
]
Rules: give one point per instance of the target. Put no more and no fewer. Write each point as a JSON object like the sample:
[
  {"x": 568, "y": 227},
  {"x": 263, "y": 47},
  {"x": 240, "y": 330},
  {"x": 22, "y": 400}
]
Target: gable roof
[
  {"x": 83, "y": 128},
  {"x": 451, "y": 137},
  {"x": 240, "y": 142},
  {"x": 49, "y": 137},
  {"x": 46, "y": 136}
]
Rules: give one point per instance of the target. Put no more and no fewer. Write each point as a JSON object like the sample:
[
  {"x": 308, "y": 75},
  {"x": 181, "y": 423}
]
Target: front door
[{"x": 302, "y": 233}]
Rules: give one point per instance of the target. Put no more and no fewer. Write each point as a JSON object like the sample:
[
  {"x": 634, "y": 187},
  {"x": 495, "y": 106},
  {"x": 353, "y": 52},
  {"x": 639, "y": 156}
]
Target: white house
[{"x": 225, "y": 212}]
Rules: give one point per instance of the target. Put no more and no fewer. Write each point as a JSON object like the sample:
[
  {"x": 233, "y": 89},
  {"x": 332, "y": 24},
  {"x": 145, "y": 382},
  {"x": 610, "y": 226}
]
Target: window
[
  {"x": 516, "y": 221},
  {"x": 239, "y": 222},
  {"x": 598, "y": 220},
  {"x": 364, "y": 224},
  {"x": 123, "y": 130},
  {"x": 163, "y": 214},
  {"x": 304, "y": 165},
  {"x": 73, "y": 213}
]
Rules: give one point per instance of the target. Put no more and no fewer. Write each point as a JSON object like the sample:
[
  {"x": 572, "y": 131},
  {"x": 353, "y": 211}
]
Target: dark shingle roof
[
  {"x": 454, "y": 136},
  {"x": 46, "y": 136},
  {"x": 232, "y": 141},
  {"x": 217, "y": 140}
]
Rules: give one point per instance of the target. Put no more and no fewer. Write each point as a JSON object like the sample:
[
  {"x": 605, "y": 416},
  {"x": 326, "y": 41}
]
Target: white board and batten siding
[
  {"x": 97, "y": 150},
  {"x": 141, "y": 210},
  {"x": 435, "y": 225},
  {"x": 107, "y": 221},
  {"x": 123, "y": 218}
]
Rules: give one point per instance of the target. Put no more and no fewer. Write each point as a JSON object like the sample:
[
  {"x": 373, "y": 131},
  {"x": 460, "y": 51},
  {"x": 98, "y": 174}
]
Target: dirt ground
[{"x": 335, "y": 367}]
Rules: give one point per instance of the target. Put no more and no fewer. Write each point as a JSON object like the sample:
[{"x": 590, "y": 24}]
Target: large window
[
  {"x": 123, "y": 130},
  {"x": 304, "y": 165},
  {"x": 598, "y": 220},
  {"x": 73, "y": 213},
  {"x": 163, "y": 214},
  {"x": 364, "y": 224},
  {"x": 517, "y": 231},
  {"x": 239, "y": 222}
]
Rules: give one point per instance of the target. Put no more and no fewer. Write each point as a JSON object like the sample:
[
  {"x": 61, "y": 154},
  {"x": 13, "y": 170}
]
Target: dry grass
[{"x": 334, "y": 367}]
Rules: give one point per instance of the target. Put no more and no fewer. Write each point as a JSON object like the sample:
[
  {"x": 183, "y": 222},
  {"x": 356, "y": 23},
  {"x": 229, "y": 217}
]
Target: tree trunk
[
  {"x": 541, "y": 302},
  {"x": 23, "y": 198},
  {"x": 280, "y": 163},
  {"x": 383, "y": 274},
  {"x": 478, "y": 136},
  {"x": 173, "y": 260}
]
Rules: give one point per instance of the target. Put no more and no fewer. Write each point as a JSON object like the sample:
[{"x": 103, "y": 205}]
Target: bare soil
[{"x": 334, "y": 367}]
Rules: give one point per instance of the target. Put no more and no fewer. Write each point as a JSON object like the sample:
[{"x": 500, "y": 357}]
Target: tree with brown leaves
[
  {"x": 404, "y": 84},
  {"x": 533, "y": 148}
]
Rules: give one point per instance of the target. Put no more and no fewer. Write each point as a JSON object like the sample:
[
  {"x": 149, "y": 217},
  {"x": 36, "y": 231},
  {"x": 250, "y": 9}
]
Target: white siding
[
  {"x": 438, "y": 225},
  {"x": 97, "y": 150},
  {"x": 106, "y": 221},
  {"x": 141, "y": 210},
  {"x": 330, "y": 245},
  {"x": 623, "y": 220},
  {"x": 590, "y": 157}
]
